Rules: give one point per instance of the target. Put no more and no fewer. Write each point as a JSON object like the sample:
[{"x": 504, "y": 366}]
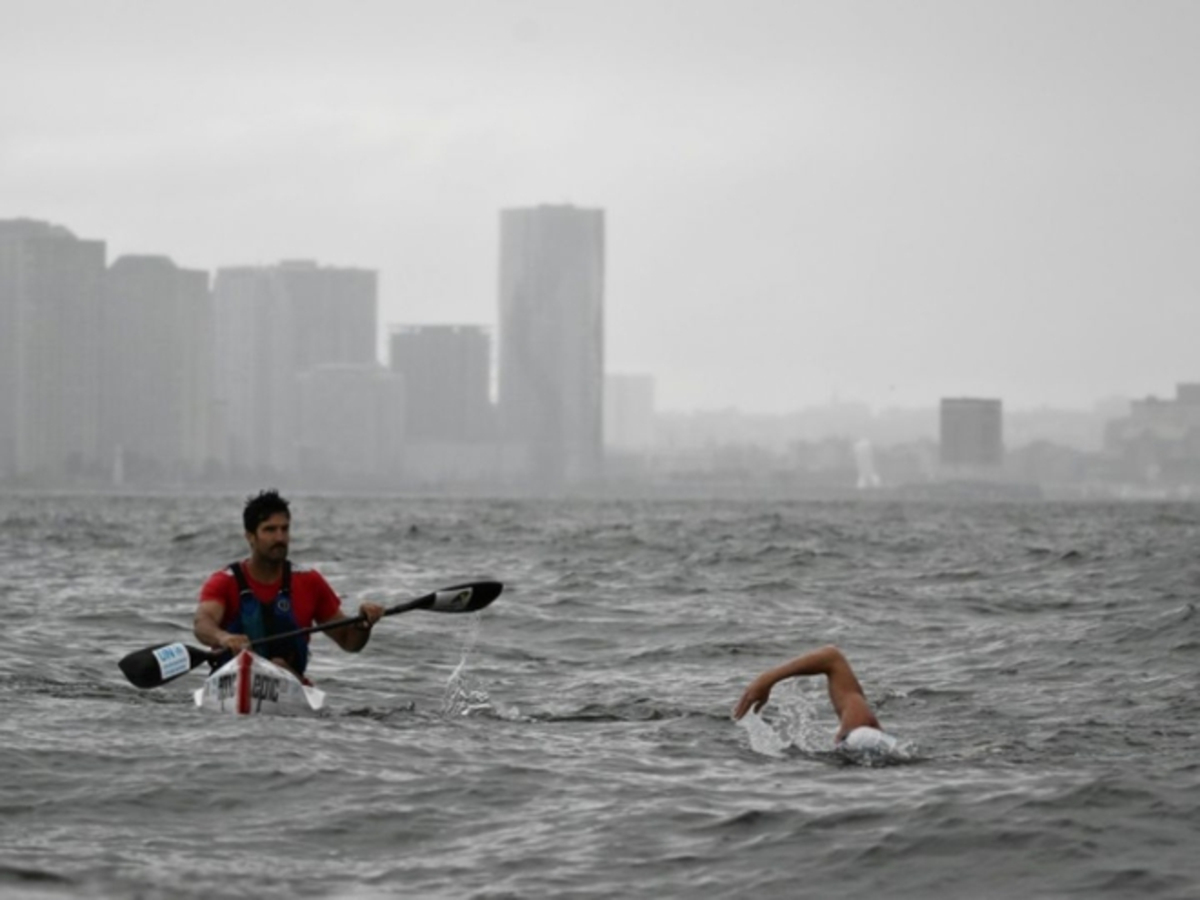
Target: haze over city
[{"x": 880, "y": 202}]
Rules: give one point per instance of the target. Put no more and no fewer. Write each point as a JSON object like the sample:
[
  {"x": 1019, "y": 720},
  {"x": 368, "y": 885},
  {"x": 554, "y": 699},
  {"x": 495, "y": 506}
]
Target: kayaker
[
  {"x": 858, "y": 729},
  {"x": 265, "y": 594}
]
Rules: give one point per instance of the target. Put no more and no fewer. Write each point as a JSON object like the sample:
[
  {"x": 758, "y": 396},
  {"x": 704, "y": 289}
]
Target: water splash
[
  {"x": 464, "y": 697},
  {"x": 902, "y": 752},
  {"x": 763, "y": 738},
  {"x": 792, "y": 723},
  {"x": 465, "y": 694}
]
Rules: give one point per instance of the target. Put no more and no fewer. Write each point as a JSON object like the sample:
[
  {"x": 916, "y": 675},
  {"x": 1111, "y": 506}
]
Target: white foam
[
  {"x": 794, "y": 723},
  {"x": 763, "y": 738}
]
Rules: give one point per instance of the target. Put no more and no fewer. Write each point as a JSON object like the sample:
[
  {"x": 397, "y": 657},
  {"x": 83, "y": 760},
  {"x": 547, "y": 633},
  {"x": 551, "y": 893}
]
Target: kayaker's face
[{"x": 270, "y": 541}]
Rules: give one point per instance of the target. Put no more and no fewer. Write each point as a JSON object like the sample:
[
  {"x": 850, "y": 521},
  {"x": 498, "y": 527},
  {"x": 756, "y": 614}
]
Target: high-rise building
[
  {"x": 157, "y": 399},
  {"x": 350, "y": 425},
  {"x": 274, "y": 323},
  {"x": 551, "y": 382},
  {"x": 50, "y": 290},
  {"x": 447, "y": 381},
  {"x": 255, "y": 370},
  {"x": 972, "y": 435},
  {"x": 335, "y": 310}
]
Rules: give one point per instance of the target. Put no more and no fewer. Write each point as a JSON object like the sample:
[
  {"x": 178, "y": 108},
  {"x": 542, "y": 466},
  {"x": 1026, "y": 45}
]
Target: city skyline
[
  {"x": 865, "y": 201},
  {"x": 140, "y": 373},
  {"x": 384, "y": 331}
]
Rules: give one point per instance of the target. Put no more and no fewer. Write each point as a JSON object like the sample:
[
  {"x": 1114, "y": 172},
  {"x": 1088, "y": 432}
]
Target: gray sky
[{"x": 885, "y": 201}]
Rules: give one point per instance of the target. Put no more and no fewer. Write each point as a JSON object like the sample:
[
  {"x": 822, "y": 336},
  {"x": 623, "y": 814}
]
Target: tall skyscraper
[
  {"x": 50, "y": 290},
  {"x": 274, "y": 323},
  {"x": 447, "y": 381},
  {"x": 972, "y": 436},
  {"x": 157, "y": 398},
  {"x": 335, "y": 310},
  {"x": 255, "y": 369},
  {"x": 552, "y": 339}
]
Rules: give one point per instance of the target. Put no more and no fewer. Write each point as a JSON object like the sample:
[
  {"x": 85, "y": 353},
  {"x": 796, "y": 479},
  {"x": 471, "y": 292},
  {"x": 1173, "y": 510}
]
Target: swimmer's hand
[{"x": 754, "y": 698}]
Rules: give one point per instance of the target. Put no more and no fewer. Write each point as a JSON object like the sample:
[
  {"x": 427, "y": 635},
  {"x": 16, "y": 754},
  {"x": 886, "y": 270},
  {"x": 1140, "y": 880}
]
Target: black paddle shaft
[{"x": 463, "y": 598}]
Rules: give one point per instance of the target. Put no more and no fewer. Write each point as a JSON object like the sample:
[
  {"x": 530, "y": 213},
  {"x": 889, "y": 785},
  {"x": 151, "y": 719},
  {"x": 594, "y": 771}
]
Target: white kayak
[{"x": 250, "y": 685}]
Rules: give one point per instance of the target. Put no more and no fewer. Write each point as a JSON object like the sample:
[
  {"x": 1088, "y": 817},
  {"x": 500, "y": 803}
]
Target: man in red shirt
[{"x": 266, "y": 595}]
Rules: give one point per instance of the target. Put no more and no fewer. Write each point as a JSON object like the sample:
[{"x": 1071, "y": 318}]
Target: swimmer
[{"x": 858, "y": 729}]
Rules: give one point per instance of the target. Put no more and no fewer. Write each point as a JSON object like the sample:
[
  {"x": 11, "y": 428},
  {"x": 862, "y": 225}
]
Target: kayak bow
[{"x": 251, "y": 685}]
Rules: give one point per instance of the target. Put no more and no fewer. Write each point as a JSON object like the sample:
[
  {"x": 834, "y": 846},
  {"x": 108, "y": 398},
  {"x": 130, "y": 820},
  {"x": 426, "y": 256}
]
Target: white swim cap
[{"x": 867, "y": 741}]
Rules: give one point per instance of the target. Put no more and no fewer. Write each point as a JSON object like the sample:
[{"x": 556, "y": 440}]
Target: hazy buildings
[
  {"x": 157, "y": 404},
  {"x": 1159, "y": 441},
  {"x": 447, "y": 381},
  {"x": 552, "y": 339},
  {"x": 256, "y": 370},
  {"x": 274, "y": 323},
  {"x": 972, "y": 437},
  {"x": 335, "y": 310},
  {"x": 349, "y": 428},
  {"x": 50, "y": 290}
]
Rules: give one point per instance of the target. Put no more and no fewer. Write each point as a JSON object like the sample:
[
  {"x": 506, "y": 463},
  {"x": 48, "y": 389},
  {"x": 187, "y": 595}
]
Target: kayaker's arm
[
  {"x": 207, "y": 628},
  {"x": 352, "y": 638}
]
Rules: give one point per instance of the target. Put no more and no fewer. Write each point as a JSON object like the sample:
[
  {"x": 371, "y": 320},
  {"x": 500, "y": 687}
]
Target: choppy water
[{"x": 574, "y": 740}]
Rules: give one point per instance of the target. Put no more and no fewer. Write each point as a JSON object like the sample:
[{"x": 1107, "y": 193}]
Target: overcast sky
[{"x": 886, "y": 201}]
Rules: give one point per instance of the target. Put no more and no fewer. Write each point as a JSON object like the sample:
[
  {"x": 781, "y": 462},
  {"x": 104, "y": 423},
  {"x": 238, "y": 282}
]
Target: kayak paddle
[{"x": 155, "y": 666}]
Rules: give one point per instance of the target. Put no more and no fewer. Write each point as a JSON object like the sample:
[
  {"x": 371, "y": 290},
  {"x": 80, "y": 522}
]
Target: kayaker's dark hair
[{"x": 259, "y": 509}]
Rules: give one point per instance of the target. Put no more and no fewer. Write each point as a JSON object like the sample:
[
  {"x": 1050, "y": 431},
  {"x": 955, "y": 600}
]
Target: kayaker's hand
[
  {"x": 373, "y": 612},
  {"x": 235, "y": 643}
]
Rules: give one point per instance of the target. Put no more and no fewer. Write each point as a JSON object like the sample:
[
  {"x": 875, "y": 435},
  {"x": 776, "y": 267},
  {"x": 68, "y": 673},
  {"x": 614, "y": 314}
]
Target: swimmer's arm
[{"x": 818, "y": 662}]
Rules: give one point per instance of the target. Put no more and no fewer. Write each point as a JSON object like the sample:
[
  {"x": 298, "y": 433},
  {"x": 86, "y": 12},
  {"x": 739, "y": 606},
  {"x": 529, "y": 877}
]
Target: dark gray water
[{"x": 574, "y": 740}]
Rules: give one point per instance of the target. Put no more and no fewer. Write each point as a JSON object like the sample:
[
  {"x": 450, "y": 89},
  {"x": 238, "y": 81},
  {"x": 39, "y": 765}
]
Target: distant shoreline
[{"x": 932, "y": 492}]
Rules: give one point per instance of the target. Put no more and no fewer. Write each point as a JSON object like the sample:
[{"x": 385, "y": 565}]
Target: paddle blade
[
  {"x": 155, "y": 666},
  {"x": 465, "y": 598}
]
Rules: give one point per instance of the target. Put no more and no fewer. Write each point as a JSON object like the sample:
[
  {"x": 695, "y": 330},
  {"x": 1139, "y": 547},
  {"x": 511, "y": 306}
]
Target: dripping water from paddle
[{"x": 465, "y": 695}]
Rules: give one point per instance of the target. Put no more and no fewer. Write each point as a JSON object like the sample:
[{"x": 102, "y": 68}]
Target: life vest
[{"x": 258, "y": 620}]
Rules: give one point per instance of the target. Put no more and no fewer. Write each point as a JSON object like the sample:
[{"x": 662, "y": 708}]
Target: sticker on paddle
[
  {"x": 453, "y": 601},
  {"x": 461, "y": 598},
  {"x": 173, "y": 660}
]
